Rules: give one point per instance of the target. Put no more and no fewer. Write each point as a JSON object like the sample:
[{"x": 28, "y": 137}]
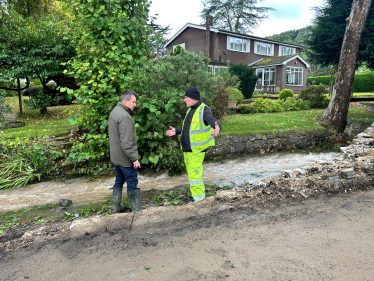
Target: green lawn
[
  {"x": 262, "y": 123},
  {"x": 54, "y": 123}
]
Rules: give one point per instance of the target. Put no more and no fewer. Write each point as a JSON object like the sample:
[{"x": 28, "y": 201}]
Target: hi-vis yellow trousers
[{"x": 194, "y": 165}]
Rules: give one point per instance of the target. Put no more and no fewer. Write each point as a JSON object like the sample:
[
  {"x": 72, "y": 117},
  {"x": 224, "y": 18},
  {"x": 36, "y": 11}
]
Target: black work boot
[
  {"x": 117, "y": 198},
  {"x": 134, "y": 200}
]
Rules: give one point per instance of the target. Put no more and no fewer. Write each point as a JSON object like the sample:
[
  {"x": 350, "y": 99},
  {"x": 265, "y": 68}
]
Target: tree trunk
[
  {"x": 337, "y": 110},
  {"x": 19, "y": 95}
]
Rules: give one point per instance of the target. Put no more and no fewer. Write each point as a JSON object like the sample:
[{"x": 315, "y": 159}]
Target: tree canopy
[
  {"x": 328, "y": 33},
  {"x": 31, "y": 48},
  {"x": 235, "y": 15}
]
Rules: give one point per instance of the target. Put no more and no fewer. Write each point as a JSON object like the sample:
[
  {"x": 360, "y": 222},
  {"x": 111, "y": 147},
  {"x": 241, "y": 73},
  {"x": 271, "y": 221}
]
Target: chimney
[{"x": 209, "y": 23}]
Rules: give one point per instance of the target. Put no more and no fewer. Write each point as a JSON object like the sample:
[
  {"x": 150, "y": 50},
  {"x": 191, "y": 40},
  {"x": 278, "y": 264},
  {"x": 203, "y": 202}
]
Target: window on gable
[
  {"x": 237, "y": 44},
  {"x": 262, "y": 48},
  {"x": 266, "y": 76},
  {"x": 294, "y": 76},
  {"x": 285, "y": 51},
  {"x": 183, "y": 45}
]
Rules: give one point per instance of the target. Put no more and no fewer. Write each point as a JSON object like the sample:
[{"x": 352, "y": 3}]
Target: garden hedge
[{"x": 364, "y": 82}]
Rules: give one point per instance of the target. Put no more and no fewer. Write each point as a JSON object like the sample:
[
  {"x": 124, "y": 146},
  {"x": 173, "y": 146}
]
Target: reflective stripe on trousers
[{"x": 194, "y": 166}]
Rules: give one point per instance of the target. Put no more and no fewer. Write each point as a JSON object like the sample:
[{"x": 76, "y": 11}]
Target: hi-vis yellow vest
[{"x": 200, "y": 137}]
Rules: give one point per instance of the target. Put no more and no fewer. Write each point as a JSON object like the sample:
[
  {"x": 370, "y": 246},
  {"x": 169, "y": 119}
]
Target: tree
[
  {"x": 235, "y": 15},
  {"x": 115, "y": 37},
  {"x": 337, "y": 110},
  {"x": 30, "y": 48},
  {"x": 328, "y": 33},
  {"x": 156, "y": 39},
  {"x": 246, "y": 77}
]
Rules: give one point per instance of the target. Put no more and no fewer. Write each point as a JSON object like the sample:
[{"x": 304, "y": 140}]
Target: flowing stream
[{"x": 225, "y": 172}]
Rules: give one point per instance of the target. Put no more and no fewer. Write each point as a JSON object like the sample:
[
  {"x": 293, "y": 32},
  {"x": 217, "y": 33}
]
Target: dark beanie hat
[{"x": 192, "y": 93}]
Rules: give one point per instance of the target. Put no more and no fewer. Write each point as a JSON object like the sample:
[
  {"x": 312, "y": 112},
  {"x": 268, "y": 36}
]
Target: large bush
[
  {"x": 247, "y": 78},
  {"x": 316, "y": 95},
  {"x": 161, "y": 84}
]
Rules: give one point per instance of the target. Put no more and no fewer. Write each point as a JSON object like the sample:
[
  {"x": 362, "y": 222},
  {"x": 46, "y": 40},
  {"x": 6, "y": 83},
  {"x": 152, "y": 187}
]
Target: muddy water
[{"x": 226, "y": 172}]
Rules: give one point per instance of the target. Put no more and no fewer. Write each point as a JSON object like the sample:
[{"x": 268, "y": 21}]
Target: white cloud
[{"x": 291, "y": 14}]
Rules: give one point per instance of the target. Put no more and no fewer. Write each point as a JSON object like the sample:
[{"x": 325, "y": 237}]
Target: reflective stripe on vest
[{"x": 200, "y": 134}]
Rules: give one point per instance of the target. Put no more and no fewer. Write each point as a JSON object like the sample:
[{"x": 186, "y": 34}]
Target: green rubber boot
[
  {"x": 134, "y": 200},
  {"x": 117, "y": 198}
]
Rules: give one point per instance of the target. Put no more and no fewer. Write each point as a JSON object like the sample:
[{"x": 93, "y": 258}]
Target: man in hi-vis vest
[{"x": 198, "y": 132}]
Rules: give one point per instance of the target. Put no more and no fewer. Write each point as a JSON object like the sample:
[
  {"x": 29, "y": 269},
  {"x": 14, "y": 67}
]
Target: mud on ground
[{"x": 313, "y": 223}]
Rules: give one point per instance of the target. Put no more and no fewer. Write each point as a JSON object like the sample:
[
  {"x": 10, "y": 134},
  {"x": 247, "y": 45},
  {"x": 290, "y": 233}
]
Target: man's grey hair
[{"x": 127, "y": 94}]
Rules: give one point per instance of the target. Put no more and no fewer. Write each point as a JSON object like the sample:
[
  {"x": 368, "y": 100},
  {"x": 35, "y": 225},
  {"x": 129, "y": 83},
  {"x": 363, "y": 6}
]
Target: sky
[{"x": 289, "y": 14}]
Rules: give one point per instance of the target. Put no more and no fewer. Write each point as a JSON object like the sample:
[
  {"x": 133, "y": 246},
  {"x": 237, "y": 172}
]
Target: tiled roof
[{"x": 274, "y": 60}]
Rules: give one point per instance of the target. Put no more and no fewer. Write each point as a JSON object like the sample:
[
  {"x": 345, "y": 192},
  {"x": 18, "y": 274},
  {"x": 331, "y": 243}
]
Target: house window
[
  {"x": 218, "y": 69},
  {"x": 266, "y": 76},
  {"x": 183, "y": 45},
  {"x": 237, "y": 44},
  {"x": 294, "y": 76},
  {"x": 285, "y": 51},
  {"x": 264, "y": 48}
]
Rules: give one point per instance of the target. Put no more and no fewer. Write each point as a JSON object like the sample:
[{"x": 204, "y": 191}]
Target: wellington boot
[
  {"x": 134, "y": 200},
  {"x": 117, "y": 198}
]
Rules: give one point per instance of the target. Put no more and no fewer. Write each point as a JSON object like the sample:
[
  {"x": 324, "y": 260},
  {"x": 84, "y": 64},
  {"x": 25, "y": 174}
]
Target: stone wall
[
  {"x": 352, "y": 170},
  {"x": 228, "y": 146}
]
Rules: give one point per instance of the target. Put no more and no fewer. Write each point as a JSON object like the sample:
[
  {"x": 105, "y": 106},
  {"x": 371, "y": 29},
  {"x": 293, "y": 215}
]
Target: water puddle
[{"x": 222, "y": 173}]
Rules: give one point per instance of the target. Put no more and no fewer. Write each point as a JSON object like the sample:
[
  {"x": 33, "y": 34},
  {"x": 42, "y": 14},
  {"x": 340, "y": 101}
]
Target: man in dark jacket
[
  {"x": 198, "y": 132},
  {"x": 124, "y": 152}
]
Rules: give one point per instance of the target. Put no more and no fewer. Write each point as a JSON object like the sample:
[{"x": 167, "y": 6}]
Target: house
[{"x": 278, "y": 64}]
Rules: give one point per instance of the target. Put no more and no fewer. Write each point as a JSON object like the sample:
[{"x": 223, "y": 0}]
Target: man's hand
[
  {"x": 136, "y": 164},
  {"x": 171, "y": 132},
  {"x": 215, "y": 131}
]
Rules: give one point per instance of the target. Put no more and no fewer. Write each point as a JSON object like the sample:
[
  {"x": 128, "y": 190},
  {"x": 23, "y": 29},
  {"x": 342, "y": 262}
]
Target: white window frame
[
  {"x": 231, "y": 39},
  {"x": 268, "y": 70},
  {"x": 216, "y": 67},
  {"x": 281, "y": 47},
  {"x": 293, "y": 71},
  {"x": 269, "y": 47},
  {"x": 183, "y": 45}
]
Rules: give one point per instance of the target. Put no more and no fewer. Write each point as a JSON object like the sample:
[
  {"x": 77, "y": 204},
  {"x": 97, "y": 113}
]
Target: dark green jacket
[{"x": 122, "y": 137}]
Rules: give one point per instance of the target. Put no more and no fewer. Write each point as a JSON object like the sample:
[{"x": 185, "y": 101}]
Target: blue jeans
[{"x": 126, "y": 174}]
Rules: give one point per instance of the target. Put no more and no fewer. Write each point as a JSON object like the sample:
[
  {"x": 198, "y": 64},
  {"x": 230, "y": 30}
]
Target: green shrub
[
  {"x": 246, "y": 109},
  {"x": 363, "y": 83},
  {"x": 235, "y": 95},
  {"x": 286, "y": 93},
  {"x": 246, "y": 77},
  {"x": 160, "y": 85},
  {"x": 40, "y": 100},
  {"x": 316, "y": 95},
  {"x": 267, "y": 105},
  {"x": 294, "y": 104}
]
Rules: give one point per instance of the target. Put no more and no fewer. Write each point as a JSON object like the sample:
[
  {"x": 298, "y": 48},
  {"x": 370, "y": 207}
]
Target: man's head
[
  {"x": 128, "y": 99},
  {"x": 191, "y": 96}
]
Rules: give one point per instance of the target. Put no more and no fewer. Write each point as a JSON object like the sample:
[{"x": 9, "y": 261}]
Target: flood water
[{"x": 225, "y": 172}]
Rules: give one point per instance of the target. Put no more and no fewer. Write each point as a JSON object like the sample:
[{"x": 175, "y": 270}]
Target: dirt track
[{"x": 317, "y": 239}]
